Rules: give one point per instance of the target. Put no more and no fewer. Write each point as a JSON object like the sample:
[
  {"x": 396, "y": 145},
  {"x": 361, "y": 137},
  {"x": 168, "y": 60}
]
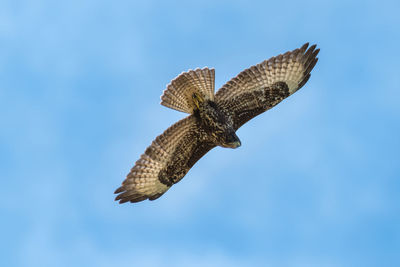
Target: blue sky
[{"x": 315, "y": 183}]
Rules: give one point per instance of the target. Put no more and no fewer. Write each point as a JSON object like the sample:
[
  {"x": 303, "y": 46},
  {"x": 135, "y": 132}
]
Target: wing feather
[
  {"x": 264, "y": 85},
  {"x": 164, "y": 162},
  {"x": 253, "y": 91},
  {"x": 291, "y": 68}
]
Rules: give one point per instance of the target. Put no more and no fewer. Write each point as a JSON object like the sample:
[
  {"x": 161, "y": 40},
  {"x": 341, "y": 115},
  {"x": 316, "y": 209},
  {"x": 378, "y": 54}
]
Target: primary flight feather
[{"x": 213, "y": 119}]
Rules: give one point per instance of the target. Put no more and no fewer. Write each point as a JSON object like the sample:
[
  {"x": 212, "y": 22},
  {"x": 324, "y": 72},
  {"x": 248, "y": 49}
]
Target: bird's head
[{"x": 216, "y": 122}]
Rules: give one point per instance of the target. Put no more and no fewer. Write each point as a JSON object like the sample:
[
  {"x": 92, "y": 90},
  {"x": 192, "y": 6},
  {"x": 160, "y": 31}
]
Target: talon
[{"x": 197, "y": 99}]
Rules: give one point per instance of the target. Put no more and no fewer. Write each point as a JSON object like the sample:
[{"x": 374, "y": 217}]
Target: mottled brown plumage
[{"x": 213, "y": 119}]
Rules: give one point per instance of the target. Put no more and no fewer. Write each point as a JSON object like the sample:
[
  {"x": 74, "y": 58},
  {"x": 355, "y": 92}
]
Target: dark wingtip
[
  {"x": 309, "y": 60},
  {"x": 313, "y": 47},
  {"x": 138, "y": 199},
  {"x": 304, "y": 47},
  {"x": 122, "y": 201},
  {"x": 316, "y": 53},
  {"x": 119, "y": 190},
  {"x": 309, "y": 52},
  {"x": 126, "y": 196},
  {"x": 303, "y": 82}
]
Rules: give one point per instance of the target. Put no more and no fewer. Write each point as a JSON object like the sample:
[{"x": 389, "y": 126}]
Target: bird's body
[
  {"x": 213, "y": 119},
  {"x": 217, "y": 122}
]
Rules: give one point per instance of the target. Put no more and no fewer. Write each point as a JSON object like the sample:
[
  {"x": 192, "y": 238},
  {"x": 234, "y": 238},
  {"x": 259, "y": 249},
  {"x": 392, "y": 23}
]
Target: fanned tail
[{"x": 179, "y": 93}]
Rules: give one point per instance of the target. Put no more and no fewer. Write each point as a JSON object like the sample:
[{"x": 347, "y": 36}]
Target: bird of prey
[{"x": 213, "y": 119}]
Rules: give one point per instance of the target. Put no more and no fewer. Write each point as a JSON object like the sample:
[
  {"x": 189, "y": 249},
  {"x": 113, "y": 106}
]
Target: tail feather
[{"x": 179, "y": 92}]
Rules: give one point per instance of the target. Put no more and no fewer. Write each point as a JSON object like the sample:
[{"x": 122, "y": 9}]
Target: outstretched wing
[
  {"x": 264, "y": 85},
  {"x": 165, "y": 162}
]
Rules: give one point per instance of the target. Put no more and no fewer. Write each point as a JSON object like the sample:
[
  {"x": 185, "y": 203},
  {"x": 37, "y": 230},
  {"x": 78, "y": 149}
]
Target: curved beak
[
  {"x": 235, "y": 144},
  {"x": 233, "y": 141}
]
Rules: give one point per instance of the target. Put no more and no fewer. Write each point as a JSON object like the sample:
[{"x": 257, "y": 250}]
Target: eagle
[{"x": 214, "y": 118}]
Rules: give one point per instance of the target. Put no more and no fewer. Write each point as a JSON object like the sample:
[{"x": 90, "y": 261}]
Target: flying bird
[{"x": 214, "y": 118}]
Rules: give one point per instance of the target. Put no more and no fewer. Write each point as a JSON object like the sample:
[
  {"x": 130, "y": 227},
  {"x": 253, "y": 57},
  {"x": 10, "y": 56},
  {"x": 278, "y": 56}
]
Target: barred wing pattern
[
  {"x": 264, "y": 85},
  {"x": 255, "y": 90},
  {"x": 248, "y": 105},
  {"x": 143, "y": 181},
  {"x": 178, "y": 94}
]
